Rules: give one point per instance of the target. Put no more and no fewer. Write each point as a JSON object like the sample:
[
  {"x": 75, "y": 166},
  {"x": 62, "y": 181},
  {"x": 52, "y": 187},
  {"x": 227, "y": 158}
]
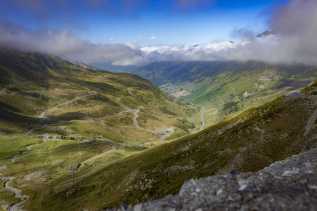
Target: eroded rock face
[{"x": 285, "y": 185}]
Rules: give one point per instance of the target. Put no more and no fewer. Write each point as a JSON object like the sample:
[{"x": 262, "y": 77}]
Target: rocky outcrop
[{"x": 285, "y": 185}]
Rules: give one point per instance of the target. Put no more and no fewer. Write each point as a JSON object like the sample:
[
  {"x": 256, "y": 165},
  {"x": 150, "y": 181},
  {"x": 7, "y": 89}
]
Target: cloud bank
[
  {"x": 66, "y": 45},
  {"x": 292, "y": 39}
]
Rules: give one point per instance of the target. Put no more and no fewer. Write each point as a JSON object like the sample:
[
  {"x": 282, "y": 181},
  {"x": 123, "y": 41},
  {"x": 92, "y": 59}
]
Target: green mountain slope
[
  {"x": 179, "y": 72},
  {"x": 72, "y": 138},
  {"x": 222, "y": 88},
  {"x": 43, "y": 94},
  {"x": 248, "y": 142},
  {"x": 57, "y": 118}
]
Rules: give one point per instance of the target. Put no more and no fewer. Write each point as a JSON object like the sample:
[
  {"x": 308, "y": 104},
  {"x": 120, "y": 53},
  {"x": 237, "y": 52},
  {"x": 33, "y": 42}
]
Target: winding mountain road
[
  {"x": 162, "y": 133},
  {"x": 18, "y": 194},
  {"x": 3, "y": 91},
  {"x": 135, "y": 113},
  {"x": 311, "y": 123},
  {"x": 43, "y": 115},
  {"x": 135, "y": 118},
  {"x": 202, "y": 118}
]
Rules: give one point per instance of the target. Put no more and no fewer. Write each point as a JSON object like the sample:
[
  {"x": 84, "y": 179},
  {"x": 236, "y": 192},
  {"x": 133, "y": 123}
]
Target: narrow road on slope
[
  {"x": 44, "y": 113},
  {"x": 135, "y": 113},
  {"x": 3, "y": 91},
  {"x": 311, "y": 123},
  {"x": 162, "y": 133},
  {"x": 202, "y": 118},
  {"x": 17, "y": 193},
  {"x": 135, "y": 118}
]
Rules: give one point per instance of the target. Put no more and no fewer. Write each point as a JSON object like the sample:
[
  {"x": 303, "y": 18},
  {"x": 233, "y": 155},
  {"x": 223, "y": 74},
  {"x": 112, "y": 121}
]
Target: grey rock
[{"x": 285, "y": 185}]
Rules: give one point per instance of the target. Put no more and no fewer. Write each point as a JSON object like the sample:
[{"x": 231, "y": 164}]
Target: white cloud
[
  {"x": 294, "y": 28},
  {"x": 293, "y": 39},
  {"x": 67, "y": 45}
]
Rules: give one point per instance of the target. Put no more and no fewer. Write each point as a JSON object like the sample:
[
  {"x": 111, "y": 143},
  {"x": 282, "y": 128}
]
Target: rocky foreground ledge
[{"x": 286, "y": 185}]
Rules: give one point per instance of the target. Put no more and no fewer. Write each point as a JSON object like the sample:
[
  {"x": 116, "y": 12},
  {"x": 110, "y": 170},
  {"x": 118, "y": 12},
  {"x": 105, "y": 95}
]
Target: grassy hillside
[
  {"x": 57, "y": 118},
  {"x": 221, "y": 88},
  {"x": 247, "y": 142},
  {"x": 72, "y": 138},
  {"x": 42, "y": 94},
  {"x": 161, "y": 73}
]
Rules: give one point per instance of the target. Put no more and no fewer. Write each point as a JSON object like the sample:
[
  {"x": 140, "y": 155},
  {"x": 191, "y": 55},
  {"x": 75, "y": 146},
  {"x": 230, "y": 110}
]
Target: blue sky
[{"x": 140, "y": 21}]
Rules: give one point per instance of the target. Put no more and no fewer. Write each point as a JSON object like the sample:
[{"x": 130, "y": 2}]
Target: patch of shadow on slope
[
  {"x": 10, "y": 114},
  {"x": 93, "y": 146}
]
